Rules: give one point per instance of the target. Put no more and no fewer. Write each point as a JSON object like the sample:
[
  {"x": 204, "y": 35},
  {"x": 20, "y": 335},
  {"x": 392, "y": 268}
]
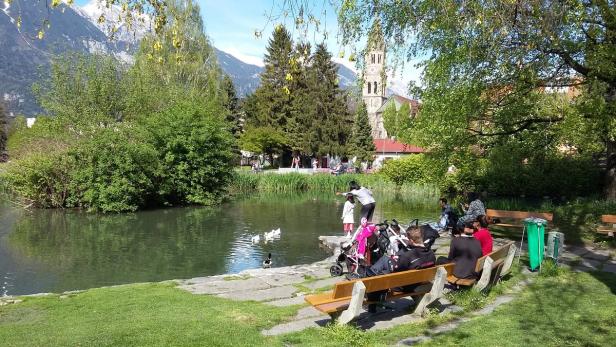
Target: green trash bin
[{"x": 535, "y": 231}]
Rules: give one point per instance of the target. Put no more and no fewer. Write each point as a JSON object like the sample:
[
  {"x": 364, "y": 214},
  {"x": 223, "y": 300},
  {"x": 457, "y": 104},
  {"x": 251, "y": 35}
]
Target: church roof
[{"x": 392, "y": 146}]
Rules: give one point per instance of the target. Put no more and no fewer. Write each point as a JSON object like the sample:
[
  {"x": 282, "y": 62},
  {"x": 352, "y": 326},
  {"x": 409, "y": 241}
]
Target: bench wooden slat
[
  {"x": 519, "y": 214},
  {"x": 500, "y": 253},
  {"x": 608, "y": 218},
  {"x": 334, "y": 306},
  {"x": 392, "y": 280},
  {"x": 461, "y": 281}
]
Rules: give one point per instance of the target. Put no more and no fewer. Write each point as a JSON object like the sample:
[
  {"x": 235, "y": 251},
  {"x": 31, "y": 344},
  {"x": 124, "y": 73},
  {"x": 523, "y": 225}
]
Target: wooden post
[
  {"x": 485, "y": 275},
  {"x": 436, "y": 292},
  {"x": 357, "y": 299}
]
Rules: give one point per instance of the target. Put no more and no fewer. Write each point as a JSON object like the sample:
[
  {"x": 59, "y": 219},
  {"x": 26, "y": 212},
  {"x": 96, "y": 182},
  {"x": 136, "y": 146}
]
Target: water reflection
[{"x": 56, "y": 250}]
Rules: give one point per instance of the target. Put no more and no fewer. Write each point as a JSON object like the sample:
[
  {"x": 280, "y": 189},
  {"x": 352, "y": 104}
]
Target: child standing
[{"x": 347, "y": 215}]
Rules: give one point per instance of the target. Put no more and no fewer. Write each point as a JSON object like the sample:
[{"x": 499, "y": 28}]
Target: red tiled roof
[
  {"x": 404, "y": 100},
  {"x": 391, "y": 146}
]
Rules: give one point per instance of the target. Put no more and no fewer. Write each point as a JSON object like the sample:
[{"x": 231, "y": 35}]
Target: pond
[{"x": 60, "y": 250}]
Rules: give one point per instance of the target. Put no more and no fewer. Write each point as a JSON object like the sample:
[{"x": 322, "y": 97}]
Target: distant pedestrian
[
  {"x": 364, "y": 195},
  {"x": 295, "y": 162},
  {"x": 315, "y": 164},
  {"x": 348, "y": 220}
]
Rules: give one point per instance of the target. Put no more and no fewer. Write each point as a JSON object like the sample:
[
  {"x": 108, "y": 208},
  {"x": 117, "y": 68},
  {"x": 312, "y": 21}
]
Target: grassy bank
[
  {"x": 571, "y": 309},
  {"x": 246, "y": 183},
  {"x": 567, "y": 309}
]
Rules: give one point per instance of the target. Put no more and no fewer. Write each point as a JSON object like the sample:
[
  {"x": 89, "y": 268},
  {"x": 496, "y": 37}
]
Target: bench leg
[
  {"x": 508, "y": 261},
  {"x": 485, "y": 275},
  {"x": 357, "y": 299},
  {"x": 436, "y": 292}
]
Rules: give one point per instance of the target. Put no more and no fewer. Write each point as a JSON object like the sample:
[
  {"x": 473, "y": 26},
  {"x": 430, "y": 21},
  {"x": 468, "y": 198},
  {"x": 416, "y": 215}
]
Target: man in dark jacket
[{"x": 416, "y": 257}]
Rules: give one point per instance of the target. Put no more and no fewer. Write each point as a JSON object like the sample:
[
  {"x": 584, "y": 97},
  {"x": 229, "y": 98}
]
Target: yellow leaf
[
  {"x": 101, "y": 19},
  {"x": 41, "y": 34},
  {"x": 55, "y": 3},
  {"x": 288, "y": 77},
  {"x": 19, "y": 22}
]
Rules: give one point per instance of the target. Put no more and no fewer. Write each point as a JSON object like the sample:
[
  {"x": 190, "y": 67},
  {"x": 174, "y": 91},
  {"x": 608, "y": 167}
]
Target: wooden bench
[
  {"x": 498, "y": 263},
  {"x": 517, "y": 216},
  {"x": 348, "y": 296},
  {"x": 609, "y": 225}
]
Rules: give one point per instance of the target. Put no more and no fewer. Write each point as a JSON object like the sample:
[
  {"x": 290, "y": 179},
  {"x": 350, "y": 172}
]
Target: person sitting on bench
[
  {"x": 416, "y": 257},
  {"x": 483, "y": 234},
  {"x": 464, "y": 252},
  {"x": 472, "y": 210}
]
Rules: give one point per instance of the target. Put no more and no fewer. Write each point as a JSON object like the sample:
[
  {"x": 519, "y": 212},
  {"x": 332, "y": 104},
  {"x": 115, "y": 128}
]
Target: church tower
[{"x": 373, "y": 92}]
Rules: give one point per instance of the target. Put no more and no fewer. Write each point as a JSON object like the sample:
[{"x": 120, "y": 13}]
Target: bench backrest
[
  {"x": 392, "y": 280},
  {"x": 519, "y": 214},
  {"x": 500, "y": 253},
  {"x": 608, "y": 218}
]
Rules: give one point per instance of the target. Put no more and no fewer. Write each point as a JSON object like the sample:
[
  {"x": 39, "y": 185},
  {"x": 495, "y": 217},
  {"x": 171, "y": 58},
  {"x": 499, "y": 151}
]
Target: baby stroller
[{"x": 356, "y": 266}]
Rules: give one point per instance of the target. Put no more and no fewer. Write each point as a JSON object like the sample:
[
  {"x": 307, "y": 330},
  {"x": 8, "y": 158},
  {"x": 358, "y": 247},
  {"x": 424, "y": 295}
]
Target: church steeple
[{"x": 374, "y": 80}]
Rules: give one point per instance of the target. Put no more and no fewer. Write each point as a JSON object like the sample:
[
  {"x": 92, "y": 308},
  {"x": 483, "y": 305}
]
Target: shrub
[
  {"x": 411, "y": 169},
  {"x": 42, "y": 179},
  {"x": 195, "y": 150},
  {"x": 116, "y": 170}
]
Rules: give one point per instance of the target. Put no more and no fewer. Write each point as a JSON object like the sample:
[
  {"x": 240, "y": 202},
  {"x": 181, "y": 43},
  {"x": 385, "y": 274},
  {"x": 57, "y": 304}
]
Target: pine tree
[
  {"x": 273, "y": 97},
  {"x": 361, "y": 140},
  {"x": 3, "y": 133},
  {"x": 330, "y": 125},
  {"x": 230, "y": 102}
]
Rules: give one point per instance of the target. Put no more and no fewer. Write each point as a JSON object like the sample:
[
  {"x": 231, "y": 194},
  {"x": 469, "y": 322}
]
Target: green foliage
[
  {"x": 195, "y": 150},
  {"x": 263, "y": 140},
  {"x": 43, "y": 180},
  {"x": 412, "y": 169},
  {"x": 4, "y": 129},
  {"x": 231, "y": 104},
  {"x": 83, "y": 89},
  {"x": 500, "y": 86},
  {"x": 299, "y": 97},
  {"x": 361, "y": 144},
  {"x": 116, "y": 170},
  {"x": 123, "y": 138},
  {"x": 397, "y": 122}
]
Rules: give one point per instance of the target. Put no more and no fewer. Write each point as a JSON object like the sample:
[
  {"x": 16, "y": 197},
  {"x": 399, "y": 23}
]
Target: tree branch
[{"x": 521, "y": 125}]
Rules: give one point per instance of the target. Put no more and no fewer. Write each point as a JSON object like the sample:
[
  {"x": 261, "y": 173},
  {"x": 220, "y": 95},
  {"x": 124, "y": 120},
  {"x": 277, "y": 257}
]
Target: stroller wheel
[{"x": 335, "y": 270}]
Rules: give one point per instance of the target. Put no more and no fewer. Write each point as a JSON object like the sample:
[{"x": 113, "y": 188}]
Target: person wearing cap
[
  {"x": 364, "y": 195},
  {"x": 464, "y": 252}
]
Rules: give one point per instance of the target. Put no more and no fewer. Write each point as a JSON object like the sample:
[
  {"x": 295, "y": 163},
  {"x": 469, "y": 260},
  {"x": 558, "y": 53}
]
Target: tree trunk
[{"x": 610, "y": 174}]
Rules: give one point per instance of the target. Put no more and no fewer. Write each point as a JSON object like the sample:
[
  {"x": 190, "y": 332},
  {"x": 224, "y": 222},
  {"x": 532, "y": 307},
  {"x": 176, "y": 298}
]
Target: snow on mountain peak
[{"x": 114, "y": 18}]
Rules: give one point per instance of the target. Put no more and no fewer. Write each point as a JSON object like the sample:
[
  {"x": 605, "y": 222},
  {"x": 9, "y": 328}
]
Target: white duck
[
  {"x": 255, "y": 239},
  {"x": 276, "y": 232}
]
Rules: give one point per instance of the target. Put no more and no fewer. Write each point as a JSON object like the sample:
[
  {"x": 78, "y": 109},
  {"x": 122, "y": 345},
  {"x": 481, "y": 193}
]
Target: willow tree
[
  {"x": 490, "y": 66},
  {"x": 3, "y": 133}
]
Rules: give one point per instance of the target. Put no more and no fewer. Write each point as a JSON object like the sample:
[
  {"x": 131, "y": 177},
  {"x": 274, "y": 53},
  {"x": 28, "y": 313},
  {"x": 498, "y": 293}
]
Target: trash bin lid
[{"x": 535, "y": 220}]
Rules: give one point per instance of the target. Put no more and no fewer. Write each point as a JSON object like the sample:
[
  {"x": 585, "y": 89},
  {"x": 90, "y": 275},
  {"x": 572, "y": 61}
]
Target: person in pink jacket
[{"x": 366, "y": 231}]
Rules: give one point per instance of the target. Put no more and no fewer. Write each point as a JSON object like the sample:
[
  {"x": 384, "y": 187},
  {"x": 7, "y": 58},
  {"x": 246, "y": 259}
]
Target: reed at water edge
[{"x": 250, "y": 183}]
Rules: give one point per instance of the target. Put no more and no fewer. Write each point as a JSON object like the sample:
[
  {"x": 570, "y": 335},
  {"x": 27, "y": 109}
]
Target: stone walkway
[{"x": 286, "y": 286}]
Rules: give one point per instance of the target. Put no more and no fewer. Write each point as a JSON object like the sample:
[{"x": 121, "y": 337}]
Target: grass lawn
[
  {"x": 137, "y": 315},
  {"x": 569, "y": 309}
]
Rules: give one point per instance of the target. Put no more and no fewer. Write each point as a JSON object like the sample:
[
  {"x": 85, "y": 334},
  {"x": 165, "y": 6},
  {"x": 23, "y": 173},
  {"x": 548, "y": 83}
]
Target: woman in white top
[
  {"x": 347, "y": 215},
  {"x": 364, "y": 195}
]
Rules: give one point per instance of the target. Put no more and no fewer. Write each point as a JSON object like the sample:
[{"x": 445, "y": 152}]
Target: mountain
[{"x": 24, "y": 58}]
